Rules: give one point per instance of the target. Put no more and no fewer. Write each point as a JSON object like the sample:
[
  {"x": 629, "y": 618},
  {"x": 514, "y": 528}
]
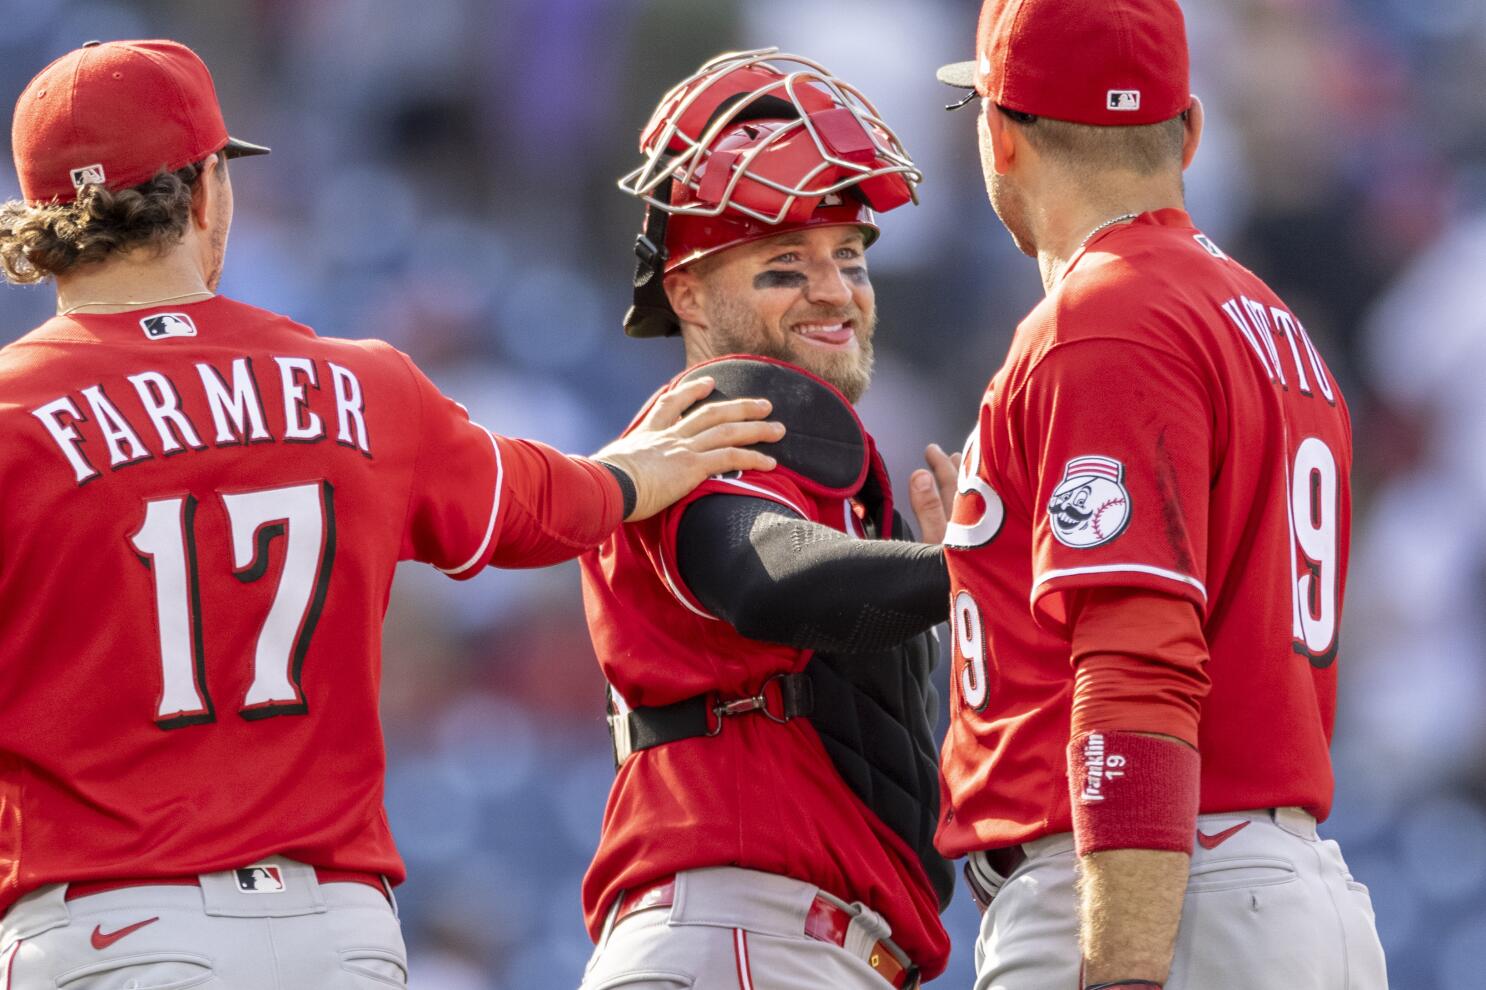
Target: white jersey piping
[
  {"x": 500, "y": 473},
  {"x": 774, "y": 496},
  {"x": 1118, "y": 569}
]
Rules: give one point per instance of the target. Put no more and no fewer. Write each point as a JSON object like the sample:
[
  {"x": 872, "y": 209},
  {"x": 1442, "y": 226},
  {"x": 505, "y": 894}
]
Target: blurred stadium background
[{"x": 443, "y": 177}]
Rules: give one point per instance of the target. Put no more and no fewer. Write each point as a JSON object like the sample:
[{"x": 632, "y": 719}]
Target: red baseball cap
[
  {"x": 116, "y": 113},
  {"x": 1107, "y": 62}
]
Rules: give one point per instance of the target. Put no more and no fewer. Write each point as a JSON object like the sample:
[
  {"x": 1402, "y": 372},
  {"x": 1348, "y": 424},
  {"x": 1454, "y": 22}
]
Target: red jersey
[
  {"x": 1162, "y": 422},
  {"x": 204, "y": 507},
  {"x": 759, "y": 795}
]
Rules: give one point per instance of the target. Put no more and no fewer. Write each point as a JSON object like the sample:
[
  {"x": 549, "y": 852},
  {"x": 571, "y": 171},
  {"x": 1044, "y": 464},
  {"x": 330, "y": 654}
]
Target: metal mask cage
[{"x": 662, "y": 164}]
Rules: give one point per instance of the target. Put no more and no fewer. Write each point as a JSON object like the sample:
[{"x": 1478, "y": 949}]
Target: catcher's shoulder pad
[{"x": 824, "y": 445}]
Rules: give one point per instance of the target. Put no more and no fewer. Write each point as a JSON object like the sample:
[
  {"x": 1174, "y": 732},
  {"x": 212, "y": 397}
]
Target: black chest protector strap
[{"x": 782, "y": 697}]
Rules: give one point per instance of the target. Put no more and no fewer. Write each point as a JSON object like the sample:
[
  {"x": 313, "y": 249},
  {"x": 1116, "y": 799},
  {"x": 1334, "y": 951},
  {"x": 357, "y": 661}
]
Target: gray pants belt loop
[{"x": 223, "y": 894}]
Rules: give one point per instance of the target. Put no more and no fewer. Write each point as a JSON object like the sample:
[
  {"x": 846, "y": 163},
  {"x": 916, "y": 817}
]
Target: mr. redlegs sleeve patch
[{"x": 1090, "y": 506}]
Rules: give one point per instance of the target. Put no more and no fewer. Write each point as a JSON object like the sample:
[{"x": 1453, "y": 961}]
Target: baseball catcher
[{"x": 767, "y": 640}]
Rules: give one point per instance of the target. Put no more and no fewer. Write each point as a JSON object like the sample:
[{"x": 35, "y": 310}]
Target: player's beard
[
  {"x": 219, "y": 257},
  {"x": 734, "y": 327},
  {"x": 221, "y": 224}
]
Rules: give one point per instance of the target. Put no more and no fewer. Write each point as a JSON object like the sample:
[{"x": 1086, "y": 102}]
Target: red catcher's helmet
[{"x": 754, "y": 144}]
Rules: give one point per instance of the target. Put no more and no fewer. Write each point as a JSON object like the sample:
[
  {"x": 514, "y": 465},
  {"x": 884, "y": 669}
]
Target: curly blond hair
[{"x": 50, "y": 239}]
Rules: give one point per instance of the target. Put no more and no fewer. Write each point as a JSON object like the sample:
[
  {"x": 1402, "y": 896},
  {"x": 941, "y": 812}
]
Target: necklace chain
[
  {"x": 1108, "y": 223},
  {"x": 136, "y": 303}
]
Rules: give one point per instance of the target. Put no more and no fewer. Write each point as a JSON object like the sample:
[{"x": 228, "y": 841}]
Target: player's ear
[
  {"x": 687, "y": 293},
  {"x": 1000, "y": 137},
  {"x": 1191, "y": 131},
  {"x": 204, "y": 192}
]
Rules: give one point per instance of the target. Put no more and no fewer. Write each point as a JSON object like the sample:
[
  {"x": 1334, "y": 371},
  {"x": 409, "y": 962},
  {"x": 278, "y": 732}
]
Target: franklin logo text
[{"x": 1099, "y": 768}]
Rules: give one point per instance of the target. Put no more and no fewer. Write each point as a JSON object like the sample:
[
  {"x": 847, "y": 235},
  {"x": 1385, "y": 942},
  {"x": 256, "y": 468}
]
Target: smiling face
[{"x": 802, "y": 296}]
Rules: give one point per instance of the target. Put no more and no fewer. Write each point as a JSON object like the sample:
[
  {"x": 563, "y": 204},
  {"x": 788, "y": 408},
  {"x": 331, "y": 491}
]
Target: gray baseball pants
[
  {"x": 732, "y": 929},
  {"x": 307, "y": 936},
  {"x": 1270, "y": 905}
]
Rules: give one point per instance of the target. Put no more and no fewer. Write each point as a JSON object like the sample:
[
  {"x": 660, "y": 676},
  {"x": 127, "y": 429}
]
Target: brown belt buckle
[{"x": 887, "y": 965}]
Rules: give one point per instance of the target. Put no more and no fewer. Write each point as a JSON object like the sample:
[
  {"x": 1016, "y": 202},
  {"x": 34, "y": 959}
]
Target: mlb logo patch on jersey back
[
  {"x": 260, "y": 878},
  {"x": 1090, "y": 506},
  {"x": 162, "y": 325},
  {"x": 1207, "y": 245}
]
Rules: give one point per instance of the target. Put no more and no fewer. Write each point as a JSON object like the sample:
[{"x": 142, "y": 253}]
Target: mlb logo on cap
[
  {"x": 88, "y": 173},
  {"x": 1123, "y": 99},
  {"x": 260, "y": 878},
  {"x": 163, "y": 325}
]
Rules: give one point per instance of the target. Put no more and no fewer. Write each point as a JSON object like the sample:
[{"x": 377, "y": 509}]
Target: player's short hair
[
  {"x": 50, "y": 239},
  {"x": 1141, "y": 148}
]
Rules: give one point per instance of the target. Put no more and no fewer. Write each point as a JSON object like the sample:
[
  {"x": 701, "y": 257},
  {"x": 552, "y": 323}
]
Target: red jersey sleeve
[
  {"x": 1118, "y": 450},
  {"x": 478, "y": 499},
  {"x": 557, "y": 506},
  {"x": 774, "y": 486},
  {"x": 1140, "y": 663}
]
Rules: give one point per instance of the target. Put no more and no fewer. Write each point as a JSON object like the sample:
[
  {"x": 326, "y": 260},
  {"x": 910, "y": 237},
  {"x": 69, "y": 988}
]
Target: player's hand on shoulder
[
  {"x": 676, "y": 447},
  {"x": 931, "y": 492}
]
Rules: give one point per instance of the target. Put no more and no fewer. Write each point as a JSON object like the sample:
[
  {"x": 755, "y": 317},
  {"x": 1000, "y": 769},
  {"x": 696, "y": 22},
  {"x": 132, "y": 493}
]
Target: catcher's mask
[{"x": 754, "y": 144}]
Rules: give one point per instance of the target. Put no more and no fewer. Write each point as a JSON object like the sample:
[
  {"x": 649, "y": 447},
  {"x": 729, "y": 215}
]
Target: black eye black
[{"x": 777, "y": 279}]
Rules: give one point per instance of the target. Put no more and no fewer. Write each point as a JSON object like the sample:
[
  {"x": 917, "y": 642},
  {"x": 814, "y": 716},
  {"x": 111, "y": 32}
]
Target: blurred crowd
[{"x": 443, "y": 178}]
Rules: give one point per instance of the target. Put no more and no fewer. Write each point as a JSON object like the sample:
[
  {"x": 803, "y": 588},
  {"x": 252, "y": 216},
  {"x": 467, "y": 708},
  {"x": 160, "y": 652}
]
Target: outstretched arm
[
  {"x": 479, "y": 499},
  {"x": 778, "y": 577},
  {"x": 1139, "y": 679},
  {"x": 563, "y": 506}
]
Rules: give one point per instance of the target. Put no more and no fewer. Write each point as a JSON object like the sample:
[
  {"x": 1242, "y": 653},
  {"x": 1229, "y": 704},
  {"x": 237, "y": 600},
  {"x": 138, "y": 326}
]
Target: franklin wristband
[{"x": 1132, "y": 791}]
